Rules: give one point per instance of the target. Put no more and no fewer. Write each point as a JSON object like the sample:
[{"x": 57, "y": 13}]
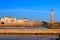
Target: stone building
[{"x": 8, "y": 19}]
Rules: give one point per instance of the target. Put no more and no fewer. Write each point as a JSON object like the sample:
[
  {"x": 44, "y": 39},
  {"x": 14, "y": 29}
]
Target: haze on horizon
[{"x": 38, "y": 10}]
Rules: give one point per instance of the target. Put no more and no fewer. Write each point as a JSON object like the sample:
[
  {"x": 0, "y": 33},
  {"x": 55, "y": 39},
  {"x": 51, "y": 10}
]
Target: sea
[{"x": 27, "y": 37}]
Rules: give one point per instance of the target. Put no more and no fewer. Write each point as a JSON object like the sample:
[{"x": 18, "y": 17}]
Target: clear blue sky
[{"x": 38, "y": 10}]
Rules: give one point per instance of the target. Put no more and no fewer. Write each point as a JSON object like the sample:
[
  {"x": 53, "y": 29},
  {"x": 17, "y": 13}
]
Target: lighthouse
[{"x": 52, "y": 16}]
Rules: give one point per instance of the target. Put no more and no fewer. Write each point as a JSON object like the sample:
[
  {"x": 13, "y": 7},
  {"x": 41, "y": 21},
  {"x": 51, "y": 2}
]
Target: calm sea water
[{"x": 27, "y": 38}]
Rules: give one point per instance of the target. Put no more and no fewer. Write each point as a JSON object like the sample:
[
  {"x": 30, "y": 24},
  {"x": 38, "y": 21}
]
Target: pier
[{"x": 30, "y": 32}]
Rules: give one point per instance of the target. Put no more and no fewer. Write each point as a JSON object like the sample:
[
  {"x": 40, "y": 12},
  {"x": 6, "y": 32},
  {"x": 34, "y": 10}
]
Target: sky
[{"x": 38, "y": 10}]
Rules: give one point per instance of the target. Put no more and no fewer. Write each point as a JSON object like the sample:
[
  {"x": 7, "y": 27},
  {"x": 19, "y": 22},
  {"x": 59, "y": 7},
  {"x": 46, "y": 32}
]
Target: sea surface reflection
[
  {"x": 23, "y": 27},
  {"x": 27, "y": 38}
]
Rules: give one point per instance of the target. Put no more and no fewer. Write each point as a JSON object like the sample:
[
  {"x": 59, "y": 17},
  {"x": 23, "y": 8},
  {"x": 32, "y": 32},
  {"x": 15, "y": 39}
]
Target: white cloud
[{"x": 25, "y": 10}]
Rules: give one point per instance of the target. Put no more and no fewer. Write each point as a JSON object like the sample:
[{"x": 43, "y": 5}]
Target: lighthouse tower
[{"x": 52, "y": 16}]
